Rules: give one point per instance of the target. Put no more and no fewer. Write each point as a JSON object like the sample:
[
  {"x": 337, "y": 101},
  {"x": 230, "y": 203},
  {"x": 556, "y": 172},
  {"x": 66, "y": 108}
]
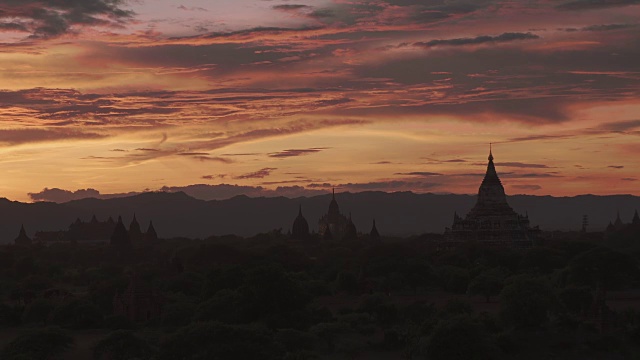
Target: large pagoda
[{"x": 492, "y": 221}]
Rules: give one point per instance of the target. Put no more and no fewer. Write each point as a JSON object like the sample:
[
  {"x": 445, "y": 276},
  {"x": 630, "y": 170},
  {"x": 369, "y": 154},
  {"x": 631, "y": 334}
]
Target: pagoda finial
[
  {"x": 334, "y": 192},
  {"x": 490, "y": 152},
  {"x": 300, "y": 209}
]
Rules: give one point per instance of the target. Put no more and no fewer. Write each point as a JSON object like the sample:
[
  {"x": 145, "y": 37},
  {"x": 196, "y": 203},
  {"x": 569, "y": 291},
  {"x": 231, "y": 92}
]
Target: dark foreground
[{"x": 576, "y": 296}]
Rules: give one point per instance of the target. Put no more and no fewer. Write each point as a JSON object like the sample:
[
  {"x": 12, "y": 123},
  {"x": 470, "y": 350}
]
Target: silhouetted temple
[
  {"x": 120, "y": 235},
  {"x": 333, "y": 225},
  {"x": 492, "y": 221},
  {"x": 620, "y": 230},
  {"x": 151, "y": 234},
  {"x": 22, "y": 238},
  {"x": 139, "y": 302},
  {"x": 374, "y": 234},
  {"x": 95, "y": 231},
  {"x": 300, "y": 229},
  {"x": 350, "y": 232},
  {"x": 135, "y": 234}
]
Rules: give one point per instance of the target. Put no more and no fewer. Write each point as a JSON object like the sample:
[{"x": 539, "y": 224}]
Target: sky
[{"x": 295, "y": 97}]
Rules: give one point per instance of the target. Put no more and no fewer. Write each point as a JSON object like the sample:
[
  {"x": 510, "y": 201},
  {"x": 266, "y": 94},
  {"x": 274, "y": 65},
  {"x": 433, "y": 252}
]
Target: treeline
[{"x": 270, "y": 297}]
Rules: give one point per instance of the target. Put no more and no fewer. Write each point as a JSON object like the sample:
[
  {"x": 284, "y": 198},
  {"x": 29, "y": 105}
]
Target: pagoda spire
[{"x": 490, "y": 152}]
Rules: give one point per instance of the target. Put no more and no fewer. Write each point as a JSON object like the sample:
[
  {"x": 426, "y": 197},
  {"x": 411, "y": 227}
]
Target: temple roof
[
  {"x": 618, "y": 223},
  {"x": 334, "y": 209},
  {"x": 492, "y": 199},
  {"x": 300, "y": 225},
  {"x": 151, "y": 232},
  {"x": 22, "y": 237},
  {"x": 374, "y": 234}
]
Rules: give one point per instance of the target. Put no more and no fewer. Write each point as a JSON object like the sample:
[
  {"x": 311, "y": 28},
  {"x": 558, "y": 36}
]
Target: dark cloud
[
  {"x": 290, "y": 7},
  {"x": 527, "y": 187},
  {"x": 506, "y": 37},
  {"x": 529, "y": 175},
  {"x": 213, "y": 159},
  {"x": 226, "y": 191},
  {"x": 522, "y": 165},
  {"x": 539, "y": 137},
  {"x": 616, "y": 166},
  {"x": 578, "y": 5},
  {"x": 262, "y": 173},
  {"x": 30, "y": 135},
  {"x": 213, "y": 177},
  {"x": 419, "y": 173},
  {"x": 389, "y": 186},
  {"x": 52, "y": 18},
  {"x": 193, "y": 8},
  {"x": 198, "y": 191},
  {"x": 13, "y": 26},
  {"x": 59, "y": 195},
  {"x": 193, "y": 154},
  {"x": 295, "y": 152},
  {"x": 607, "y": 27},
  {"x": 620, "y": 126}
]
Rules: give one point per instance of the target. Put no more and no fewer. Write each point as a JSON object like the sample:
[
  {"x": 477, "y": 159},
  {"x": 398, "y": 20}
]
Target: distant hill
[{"x": 400, "y": 213}]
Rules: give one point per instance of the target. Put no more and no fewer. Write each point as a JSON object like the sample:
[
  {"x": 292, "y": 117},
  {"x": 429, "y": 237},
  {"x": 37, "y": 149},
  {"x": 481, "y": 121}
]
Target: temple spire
[
  {"x": 334, "y": 193},
  {"x": 300, "y": 210},
  {"x": 490, "y": 152}
]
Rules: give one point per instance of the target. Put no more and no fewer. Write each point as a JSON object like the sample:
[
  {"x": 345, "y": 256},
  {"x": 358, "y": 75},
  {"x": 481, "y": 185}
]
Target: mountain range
[{"x": 399, "y": 214}]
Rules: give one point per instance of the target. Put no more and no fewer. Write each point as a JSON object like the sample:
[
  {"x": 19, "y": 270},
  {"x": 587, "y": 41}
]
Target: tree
[
  {"x": 122, "y": 345},
  {"x": 486, "y": 284},
  {"x": 48, "y": 344},
  {"x": 227, "y": 306},
  {"x": 37, "y": 311},
  {"x": 453, "y": 278},
  {"x": 602, "y": 267},
  {"x": 526, "y": 301},
  {"x": 459, "y": 338},
  {"x": 77, "y": 313},
  {"x": 347, "y": 282},
  {"x": 220, "y": 341}
]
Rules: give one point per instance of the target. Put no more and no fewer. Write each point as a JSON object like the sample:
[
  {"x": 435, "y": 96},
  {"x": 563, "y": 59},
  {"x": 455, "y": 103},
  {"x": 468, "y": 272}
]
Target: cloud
[
  {"x": 295, "y": 152},
  {"x": 226, "y": 191},
  {"x": 527, "y": 187},
  {"x": 505, "y": 37},
  {"x": 290, "y": 7},
  {"x": 393, "y": 185},
  {"x": 213, "y": 177},
  {"x": 608, "y": 27},
  {"x": 193, "y": 8},
  {"x": 616, "y": 166},
  {"x": 262, "y": 173},
  {"x": 59, "y": 195},
  {"x": 522, "y": 165},
  {"x": 51, "y": 18},
  {"x": 579, "y": 5},
  {"x": 419, "y": 173},
  {"x": 198, "y": 191},
  {"x": 620, "y": 126},
  {"x": 34, "y": 135}
]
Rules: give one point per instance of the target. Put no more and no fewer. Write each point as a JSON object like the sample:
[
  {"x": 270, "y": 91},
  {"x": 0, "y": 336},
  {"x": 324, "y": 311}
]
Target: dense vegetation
[{"x": 269, "y": 297}]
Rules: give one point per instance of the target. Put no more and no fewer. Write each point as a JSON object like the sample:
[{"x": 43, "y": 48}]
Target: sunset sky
[{"x": 294, "y": 97}]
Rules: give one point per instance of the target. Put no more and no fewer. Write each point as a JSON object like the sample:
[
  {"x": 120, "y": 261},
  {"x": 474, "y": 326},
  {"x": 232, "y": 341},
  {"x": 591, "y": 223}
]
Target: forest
[{"x": 572, "y": 296}]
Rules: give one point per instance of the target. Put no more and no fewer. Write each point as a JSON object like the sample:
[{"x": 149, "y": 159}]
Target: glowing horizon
[{"x": 389, "y": 95}]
